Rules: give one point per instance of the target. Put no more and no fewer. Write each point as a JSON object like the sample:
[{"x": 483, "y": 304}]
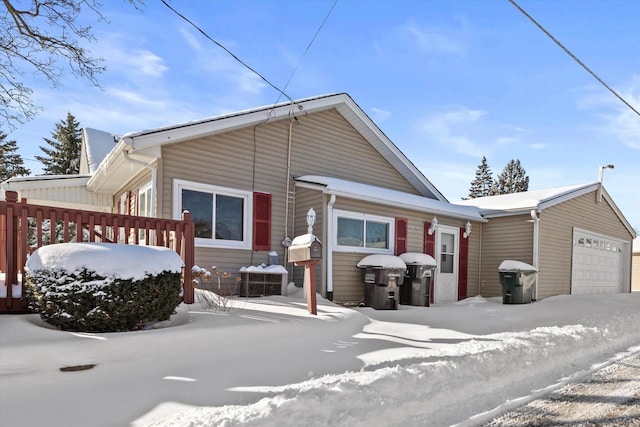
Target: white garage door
[{"x": 598, "y": 264}]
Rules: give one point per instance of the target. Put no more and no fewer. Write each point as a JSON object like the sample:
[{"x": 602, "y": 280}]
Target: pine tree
[
  {"x": 513, "y": 179},
  {"x": 483, "y": 183},
  {"x": 11, "y": 163},
  {"x": 63, "y": 158}
]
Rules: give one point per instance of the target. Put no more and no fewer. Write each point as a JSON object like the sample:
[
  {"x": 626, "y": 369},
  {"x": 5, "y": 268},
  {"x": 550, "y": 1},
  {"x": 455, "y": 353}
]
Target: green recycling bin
[{"x": 518, "y": 280}]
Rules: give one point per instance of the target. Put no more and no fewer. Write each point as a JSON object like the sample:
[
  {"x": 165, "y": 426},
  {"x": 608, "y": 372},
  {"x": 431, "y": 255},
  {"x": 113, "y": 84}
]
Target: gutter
[
  {"x": 536, "y": 245},
  {"x": 329, "y": 247}
]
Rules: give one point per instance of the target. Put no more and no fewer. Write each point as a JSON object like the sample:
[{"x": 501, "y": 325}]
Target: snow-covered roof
[
  {"x": 519, "y": 203},
  {"x": 140, "y": 143},
  {"x": 507, "y": 204},
  {"x": 98, "y": 144},
  {"x": 385, "y": 196}
]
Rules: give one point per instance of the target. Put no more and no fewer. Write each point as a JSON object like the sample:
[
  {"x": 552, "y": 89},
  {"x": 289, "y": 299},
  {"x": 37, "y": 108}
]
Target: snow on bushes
[{"x": 103, "y": 287}]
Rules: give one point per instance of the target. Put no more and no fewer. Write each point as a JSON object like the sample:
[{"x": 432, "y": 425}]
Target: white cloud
[
  {"x": 190, "y": 39},
  {"x": 448, "y": 128},
  {"x": 619, "y": 120},
  {"x": 380, "y": 115},
  {"x": 147, "y": 63},
  {"x": 433, "y": 42}
]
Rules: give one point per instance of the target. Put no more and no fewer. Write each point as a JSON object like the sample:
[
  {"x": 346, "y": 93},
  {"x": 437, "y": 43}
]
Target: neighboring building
[
  {"x": 249, "y": 178},
  {"x": 635, "y": 266},
  {"x": 576, "y": 236}
]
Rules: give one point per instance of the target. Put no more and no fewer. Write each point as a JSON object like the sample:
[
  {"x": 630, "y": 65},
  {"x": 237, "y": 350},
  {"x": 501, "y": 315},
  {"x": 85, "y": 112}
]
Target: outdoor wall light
[
  {"x": 467, "y": 230},
  {"x": 311, "y": 219},
  {"x": 434, "y": 225}
]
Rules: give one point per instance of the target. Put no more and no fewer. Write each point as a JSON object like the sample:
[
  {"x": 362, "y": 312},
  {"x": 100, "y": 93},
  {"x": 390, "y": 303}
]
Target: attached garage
[{"x": 576, "y": 236}]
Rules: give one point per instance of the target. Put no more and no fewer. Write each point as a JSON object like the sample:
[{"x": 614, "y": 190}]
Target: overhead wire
[
  {"x": 204, "y": 33},
  {"x": 308, "y": 47},
  {"x": 575, "y": 58}
]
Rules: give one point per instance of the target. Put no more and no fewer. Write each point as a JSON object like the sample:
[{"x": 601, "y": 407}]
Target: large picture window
[
  {"x": 358, "y": 232},
  {"x": 221, "y": 215}
]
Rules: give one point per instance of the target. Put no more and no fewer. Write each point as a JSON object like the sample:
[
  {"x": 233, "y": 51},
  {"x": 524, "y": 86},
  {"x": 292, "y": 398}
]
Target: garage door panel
[{"x": 597, "y": 264}]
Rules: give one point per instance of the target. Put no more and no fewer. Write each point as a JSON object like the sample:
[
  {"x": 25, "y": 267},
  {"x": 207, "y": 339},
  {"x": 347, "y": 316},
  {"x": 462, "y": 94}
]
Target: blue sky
[{"x": 447, "y": 81}]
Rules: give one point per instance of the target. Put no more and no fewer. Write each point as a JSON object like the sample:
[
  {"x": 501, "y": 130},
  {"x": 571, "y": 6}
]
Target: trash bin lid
[
  {"x": 512, "y": 265},
  {"x": 382, "y": 261},
  {"x": 417, "y": 258}
]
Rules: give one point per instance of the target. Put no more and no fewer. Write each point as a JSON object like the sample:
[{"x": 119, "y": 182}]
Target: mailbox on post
[{"x": 305, "y": 248}]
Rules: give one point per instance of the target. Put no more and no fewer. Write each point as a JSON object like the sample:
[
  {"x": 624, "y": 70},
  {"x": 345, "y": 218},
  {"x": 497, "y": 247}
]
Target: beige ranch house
[{"x": 249, "y": 178}]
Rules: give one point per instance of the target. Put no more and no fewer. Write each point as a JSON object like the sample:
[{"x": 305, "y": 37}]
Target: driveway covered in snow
[{"x": 268, "y": 362}]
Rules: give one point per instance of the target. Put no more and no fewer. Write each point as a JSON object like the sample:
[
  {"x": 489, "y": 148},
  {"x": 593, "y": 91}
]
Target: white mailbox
[{"x": 305, "y": 248}]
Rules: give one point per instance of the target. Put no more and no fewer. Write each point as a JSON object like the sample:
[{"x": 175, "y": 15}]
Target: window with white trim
[
  {"x": 359, "y": 232},
  {"x": 221, "y": 215},
  {"x": 144, "y": 208}
]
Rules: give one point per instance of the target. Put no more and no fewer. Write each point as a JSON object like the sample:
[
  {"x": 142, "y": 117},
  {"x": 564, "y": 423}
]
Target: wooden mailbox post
[{"x": 306, "y": 250}]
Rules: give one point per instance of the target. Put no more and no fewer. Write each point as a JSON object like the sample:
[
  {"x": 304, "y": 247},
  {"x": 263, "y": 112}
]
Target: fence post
[
  {"x": 11, "y": 246},
  {"x": 189, "y": 258}
]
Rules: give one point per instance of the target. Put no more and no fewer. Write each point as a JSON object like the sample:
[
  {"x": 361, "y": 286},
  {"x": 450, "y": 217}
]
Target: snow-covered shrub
[{"x": 96, "y": 287}]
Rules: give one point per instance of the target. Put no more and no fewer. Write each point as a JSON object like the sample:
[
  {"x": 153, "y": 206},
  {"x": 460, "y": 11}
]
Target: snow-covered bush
[{"x": 96, "y": 287}]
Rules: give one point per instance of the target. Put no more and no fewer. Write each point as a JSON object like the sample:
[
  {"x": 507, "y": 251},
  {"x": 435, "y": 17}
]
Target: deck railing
[{"x": 25, "y": 227}]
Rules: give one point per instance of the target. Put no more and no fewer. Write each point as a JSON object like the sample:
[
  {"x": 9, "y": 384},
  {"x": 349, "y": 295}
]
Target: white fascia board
[
  {"x": 229, "y": 122},
  {"x": 618, "y": 212},
  {"x": 504, "y": 213},
  {"x": 453, "y": 213},
  {"x": 49, "y": 181},
  {"x": 554, "y": 200}
]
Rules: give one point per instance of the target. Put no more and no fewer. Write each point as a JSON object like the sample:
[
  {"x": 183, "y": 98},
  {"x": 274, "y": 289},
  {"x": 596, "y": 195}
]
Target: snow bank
[{"x": 110, "y": 260}]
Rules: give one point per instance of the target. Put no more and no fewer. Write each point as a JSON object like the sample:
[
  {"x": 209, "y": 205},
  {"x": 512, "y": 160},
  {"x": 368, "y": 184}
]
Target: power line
[
  {"x": 575, "y": 58},
  {"x": 225, "y": 49},
  {"x": 308, "y": 47}
]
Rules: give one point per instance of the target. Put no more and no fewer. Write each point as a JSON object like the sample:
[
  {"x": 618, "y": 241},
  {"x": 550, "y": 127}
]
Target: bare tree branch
[{"x": 44, "y": 40}]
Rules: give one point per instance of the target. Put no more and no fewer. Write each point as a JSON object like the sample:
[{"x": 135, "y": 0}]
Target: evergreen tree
[
  {"x": 63, "y": 158},
  {"x": 11, "y": 163},
  {"x": 483, "y": 183},
  {"x": 513, "y": 179}
]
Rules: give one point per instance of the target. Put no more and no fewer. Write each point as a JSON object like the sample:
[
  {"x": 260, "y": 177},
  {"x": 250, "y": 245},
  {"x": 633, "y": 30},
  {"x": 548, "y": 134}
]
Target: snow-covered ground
[{"x": 268, "y": 362}]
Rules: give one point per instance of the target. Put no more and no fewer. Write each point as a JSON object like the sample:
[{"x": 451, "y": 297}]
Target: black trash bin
[
  {"x": 382, "y": 276},
  {"x": 518, "y": 280},
  {"x": 416, "y": 288}
]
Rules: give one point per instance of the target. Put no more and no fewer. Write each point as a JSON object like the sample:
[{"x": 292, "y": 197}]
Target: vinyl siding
[
  {"x": 133, "y": 185},
  {"x": 556, "y": 238},
  {"x": 323, "y": 144},
  {"x": 635, "y": 273},
  {"x": 304, "y": 200},
  {"x": 503, "y": 238},
  {"x": 347, "y": 278}
]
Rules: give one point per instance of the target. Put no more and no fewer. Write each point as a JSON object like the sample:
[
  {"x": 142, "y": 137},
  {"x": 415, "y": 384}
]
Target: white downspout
[
  {"x": 536, "y": 243},
  {"x": 329, "y": 243},
  {"x": 154, "y": 176}
]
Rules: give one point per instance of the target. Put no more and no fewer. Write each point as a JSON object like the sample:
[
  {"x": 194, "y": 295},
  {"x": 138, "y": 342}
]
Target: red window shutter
[
  {"x": 429, "y": 241},
  {"x": 261, "y": 222},
  {"x": 463, "y": 266},
  {"x": 401, "y": 236},
  {"x": 430, "y": 249}
]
